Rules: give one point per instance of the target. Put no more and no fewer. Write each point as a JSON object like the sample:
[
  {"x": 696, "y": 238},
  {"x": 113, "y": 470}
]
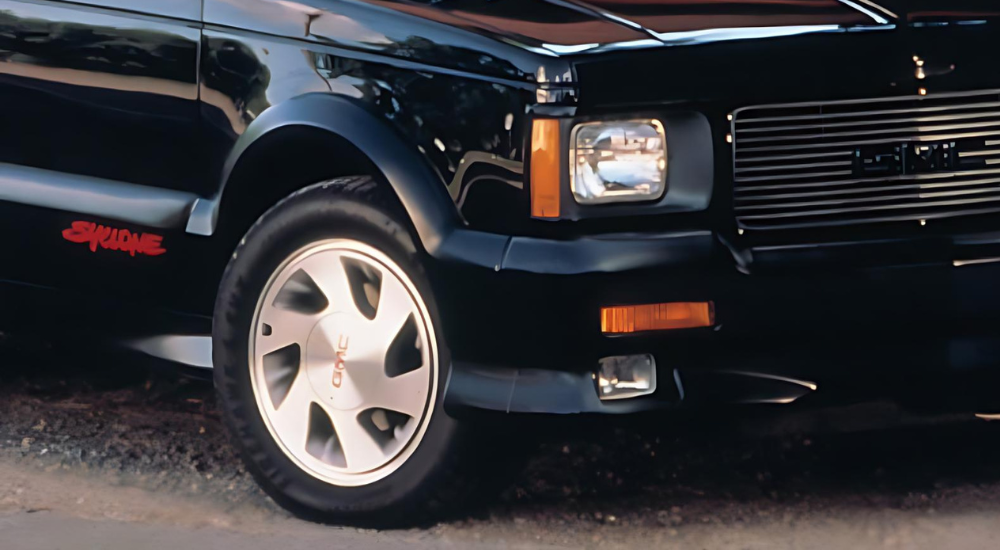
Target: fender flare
[{"x": 439, "y": 226}]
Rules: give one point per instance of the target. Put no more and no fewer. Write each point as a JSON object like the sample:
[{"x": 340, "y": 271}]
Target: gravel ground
[{"x": 110, "y": 438}]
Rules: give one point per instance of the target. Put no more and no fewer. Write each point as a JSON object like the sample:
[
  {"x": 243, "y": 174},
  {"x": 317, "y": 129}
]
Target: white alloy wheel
[{"x": 343, "y": 362}]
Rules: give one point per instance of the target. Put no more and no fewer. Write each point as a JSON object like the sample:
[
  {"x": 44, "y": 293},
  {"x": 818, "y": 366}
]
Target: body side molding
[{"x": 113, "y": 200}]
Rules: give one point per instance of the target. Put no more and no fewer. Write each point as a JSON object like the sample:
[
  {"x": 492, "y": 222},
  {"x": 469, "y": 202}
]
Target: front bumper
[{"x": 914, "y": 320}]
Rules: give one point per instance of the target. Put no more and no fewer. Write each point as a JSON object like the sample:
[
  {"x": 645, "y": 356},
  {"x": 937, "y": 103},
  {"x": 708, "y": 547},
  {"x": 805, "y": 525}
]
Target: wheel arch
[{"x": 282, "y": 139}]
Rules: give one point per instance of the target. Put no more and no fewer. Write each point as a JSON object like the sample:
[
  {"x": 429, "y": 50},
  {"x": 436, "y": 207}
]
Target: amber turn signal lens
[
  {"x": 671, "y": 316},
  {"x": 545, "y": 171}
]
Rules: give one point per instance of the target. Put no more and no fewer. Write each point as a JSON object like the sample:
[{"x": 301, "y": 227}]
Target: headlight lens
[{"x": 618, "y": 161}]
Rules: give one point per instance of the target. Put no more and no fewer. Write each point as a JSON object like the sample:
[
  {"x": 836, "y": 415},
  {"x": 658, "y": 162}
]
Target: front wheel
[{"x": 329, "y": 361}]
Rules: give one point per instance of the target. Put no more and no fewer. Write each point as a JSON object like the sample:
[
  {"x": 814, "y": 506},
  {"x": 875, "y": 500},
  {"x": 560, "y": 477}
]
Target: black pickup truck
[{"x": 380, "y": 220}]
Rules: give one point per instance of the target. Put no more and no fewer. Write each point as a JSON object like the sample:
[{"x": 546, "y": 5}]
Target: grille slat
[
  {"x": 863, "y": 190},
  {"x": 746, "y": 189},
  {"x": 798, "y": 157},
  {"x": 917, "y": 139},
  {"x": 866, "y": 161},
  {"x": 792, "y": 166},
  {"x": 871, "y": 208},
  {"x": 863, "y": 114},
  {"x": 941, "y": 118},
  {"x": 901, "y": 197},
  {"x": 820, "y": 223},
  {"x": 796, "y": 176},
  {"x": 906, "y": 131},
  {"x": 989, "y": 153}
]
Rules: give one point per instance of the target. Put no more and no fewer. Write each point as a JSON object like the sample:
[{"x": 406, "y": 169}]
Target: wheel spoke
[
  {"x": 395, "y": 307},
  {"x": 327, "y": 271},
  {"x": 406, "y": 393},
  {"x": 283, "y": 328},
  {"x": 360, "y": 448},
  {"x": 291, "y": 419}
]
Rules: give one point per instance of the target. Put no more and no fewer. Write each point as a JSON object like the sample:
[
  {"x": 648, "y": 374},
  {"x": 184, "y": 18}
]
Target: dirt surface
[{"x": 106, "y": 452}]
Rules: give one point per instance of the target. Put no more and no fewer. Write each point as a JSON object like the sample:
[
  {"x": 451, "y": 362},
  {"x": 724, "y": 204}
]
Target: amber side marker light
[
  {"x": 545, "y": 169},
  {"x": 646, "y": 317}
]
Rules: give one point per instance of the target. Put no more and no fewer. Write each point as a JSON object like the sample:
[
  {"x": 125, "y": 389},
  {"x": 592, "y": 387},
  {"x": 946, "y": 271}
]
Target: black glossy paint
[
  {"x": 91, "y": 94},
  {"x": 236, "y": 103},
  {"x": 100, "y": 93}
]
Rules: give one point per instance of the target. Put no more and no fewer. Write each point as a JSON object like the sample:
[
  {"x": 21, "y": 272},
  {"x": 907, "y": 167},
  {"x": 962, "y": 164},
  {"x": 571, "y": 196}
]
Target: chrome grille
[{"x": 867, "y": 161}]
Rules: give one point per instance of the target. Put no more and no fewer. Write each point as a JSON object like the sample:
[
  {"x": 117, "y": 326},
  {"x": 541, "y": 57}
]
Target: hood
[
  {"x": 929, "y": 47},
  {"x": 575, "y": 26},
  {"x": 665, "y": 17},
  {"x": 922, "y": 12}
]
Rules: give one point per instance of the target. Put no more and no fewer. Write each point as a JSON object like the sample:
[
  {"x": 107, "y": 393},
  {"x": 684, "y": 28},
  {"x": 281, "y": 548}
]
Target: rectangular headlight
[{"x": 618, "y": 161}]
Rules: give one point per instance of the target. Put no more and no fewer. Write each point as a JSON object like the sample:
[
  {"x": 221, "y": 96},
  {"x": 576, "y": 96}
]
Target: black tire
[{"x": 432, "y": 477}]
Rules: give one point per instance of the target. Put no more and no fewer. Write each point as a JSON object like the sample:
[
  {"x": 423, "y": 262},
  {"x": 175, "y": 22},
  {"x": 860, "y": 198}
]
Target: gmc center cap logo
[
  {"x": 327, "y": 362},
  {"x": 340, "y": 363}
]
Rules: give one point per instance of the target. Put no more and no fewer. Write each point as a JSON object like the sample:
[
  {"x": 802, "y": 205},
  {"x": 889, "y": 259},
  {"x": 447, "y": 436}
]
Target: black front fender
[{"x": 420, "y": 190}]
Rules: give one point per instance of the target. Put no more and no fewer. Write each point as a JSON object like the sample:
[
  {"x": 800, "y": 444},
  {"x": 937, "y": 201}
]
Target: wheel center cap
[{"x": 331, "y": 352}]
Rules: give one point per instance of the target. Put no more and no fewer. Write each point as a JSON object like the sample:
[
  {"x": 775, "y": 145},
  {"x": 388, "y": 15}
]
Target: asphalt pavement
[{"x": 105, "y": 452}]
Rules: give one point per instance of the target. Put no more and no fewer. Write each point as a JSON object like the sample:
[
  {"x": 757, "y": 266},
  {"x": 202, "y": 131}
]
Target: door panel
[
  {"x": 99, "y": 134},
  {"x": 100, "y": 93}
]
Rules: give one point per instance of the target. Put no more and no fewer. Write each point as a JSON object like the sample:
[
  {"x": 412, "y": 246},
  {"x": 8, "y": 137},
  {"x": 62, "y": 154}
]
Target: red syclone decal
[{"x": 114, "y": 239}]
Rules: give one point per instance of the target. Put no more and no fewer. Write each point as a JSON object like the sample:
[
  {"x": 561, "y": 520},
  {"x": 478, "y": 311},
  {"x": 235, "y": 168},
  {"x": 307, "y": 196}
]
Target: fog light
[{"x": 625, "y": 376}]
